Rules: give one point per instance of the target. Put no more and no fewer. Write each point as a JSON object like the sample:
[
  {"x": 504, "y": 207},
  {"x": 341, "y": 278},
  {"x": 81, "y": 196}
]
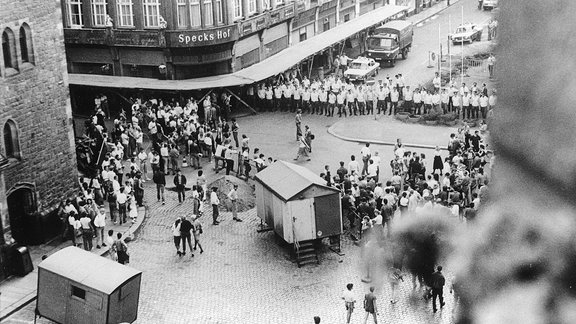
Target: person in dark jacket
[
  {"x": 186, "y": 235},
  {"x": 438, "y": 282},
  {"x": 180, "y": 183},
  {"x": 160, "y": 180}
]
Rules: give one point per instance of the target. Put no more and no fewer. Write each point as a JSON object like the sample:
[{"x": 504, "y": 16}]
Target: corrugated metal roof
[
  {"x": 89, "y": 269},
  {"x": 287, "y": 179}
]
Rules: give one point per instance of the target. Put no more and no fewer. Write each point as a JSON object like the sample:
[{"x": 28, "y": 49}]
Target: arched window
[
  {"x": 26, "y": 47},
  {"x": 9, "y": 49},
  {"x": 11, "y": 141}
]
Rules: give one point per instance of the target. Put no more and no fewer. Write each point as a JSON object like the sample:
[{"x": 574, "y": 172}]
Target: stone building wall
[{"x": 36, "y": 98}]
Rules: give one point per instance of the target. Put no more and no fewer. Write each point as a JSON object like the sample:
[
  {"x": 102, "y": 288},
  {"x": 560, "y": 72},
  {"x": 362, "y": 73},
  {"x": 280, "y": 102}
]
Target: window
[
  {"x": 237, "y": 9},
  {"x": 219, "y": 12},
  {"x": 151, "y": 13},
  {"x": 26, "y": 47},
  {"x": 195, "y": 19},
  {"x": 125, "y": 17},
  {"x": 11, "y": 141},
  {"x": 265, "y": 4},
  {"x": 9, "y": 49},
  {"x": 208, "y": 13},
  {"x": 181, "y": 13},
  {"x": 78, "y": 292},
  {"x": 99, "y": 13},
  {"x": 251, "y": 6},
  {"x": 74, "y": 13},
  {"x": 303, "y": 34},
  {"x": 326, "y": 25}
]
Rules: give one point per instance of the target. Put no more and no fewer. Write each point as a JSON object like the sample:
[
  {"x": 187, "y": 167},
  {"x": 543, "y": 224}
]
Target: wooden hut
[
  {"x": 297, "y": 205},
  {"x": 76, "y": 286}
]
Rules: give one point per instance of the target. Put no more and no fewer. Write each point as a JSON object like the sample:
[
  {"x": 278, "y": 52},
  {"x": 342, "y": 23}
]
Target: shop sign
[
  {"x": 138, "y": 38},
  {"x": 86, "y": 36},
  {"x": 194, "y": 38}
]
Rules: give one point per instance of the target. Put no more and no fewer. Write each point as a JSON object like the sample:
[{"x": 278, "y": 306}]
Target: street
[
  {"x": 427, "y": 37},
  {"x": 248, "y": 277},
  {"x": 244, "y": 276}
]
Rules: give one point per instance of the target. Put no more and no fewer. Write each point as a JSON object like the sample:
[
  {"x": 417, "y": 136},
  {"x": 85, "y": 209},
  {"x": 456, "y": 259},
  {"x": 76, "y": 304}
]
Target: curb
[
  {"x": 132, "y": 231},
  {"x": 453, "y": 2},
  {"x": 358, "y": 140}
]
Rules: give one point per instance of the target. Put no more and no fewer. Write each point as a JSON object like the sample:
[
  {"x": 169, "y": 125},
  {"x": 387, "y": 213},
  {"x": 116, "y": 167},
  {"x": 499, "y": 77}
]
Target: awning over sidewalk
[
  {"x": 109, "y": 81},
  {"x": 269, "y": 67},
  {"x": 298, "y": 52}
]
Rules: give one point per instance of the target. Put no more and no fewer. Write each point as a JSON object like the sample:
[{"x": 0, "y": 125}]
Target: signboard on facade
[
  {"x": 193, "y": 38},
  {"x": 139, "y": 38},
  {"x": 86, "y": 36}
]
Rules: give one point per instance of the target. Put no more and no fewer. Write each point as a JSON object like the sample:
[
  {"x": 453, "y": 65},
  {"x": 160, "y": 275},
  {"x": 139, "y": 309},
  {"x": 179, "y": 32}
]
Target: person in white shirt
[
  {"x": 100, "y": 223},
  {"x": 373, "y": 171},
  {"x": 353, "y": 166},
  {"x": 466, "y": 105},
  {"x": 349, "y": 301},
  {"x": 233, "y": 196},
  {"x": 437, "y": 82},
  {"x": 427, "y": 99},
  {"x": 121, "y": 199},
  {"x": 214, "y": 201},
  {"x": 456, "y": 104},
  {"x": 475, "y": 102},
  {"x": 341, "y": 101},
  {"x": 417, "y": 98},
  {"x": 366, "y": 155},
  {"x": 377, "y": 160},
  {"x": 408, "y": 96},
  {"x": 483, "y": 105},
  {"x": 351, "y": 103},
  {"x": 394, "y": 97},
  {"x": 445, "y": 101}
]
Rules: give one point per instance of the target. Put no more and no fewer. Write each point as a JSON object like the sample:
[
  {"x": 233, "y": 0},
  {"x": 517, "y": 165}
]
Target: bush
[
  {"x": 447, "y": 117},
  {"x": 432, "y": 115}
]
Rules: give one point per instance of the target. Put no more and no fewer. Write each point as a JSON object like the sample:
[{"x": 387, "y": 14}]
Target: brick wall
[{"x": 37, "y": 99}]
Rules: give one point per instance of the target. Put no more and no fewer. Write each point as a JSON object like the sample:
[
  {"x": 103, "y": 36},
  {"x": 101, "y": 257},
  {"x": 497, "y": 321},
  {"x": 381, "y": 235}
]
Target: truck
[{"x": 390, "y": 40}]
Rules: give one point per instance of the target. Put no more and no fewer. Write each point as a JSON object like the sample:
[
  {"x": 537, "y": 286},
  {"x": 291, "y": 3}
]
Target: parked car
[
  {"x": 466, "y": 33},
  {"x": 489, "y": 4},
  {"x": 361, "y": 69}
]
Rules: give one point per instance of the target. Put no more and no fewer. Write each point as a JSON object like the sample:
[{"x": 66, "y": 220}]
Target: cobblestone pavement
[{"x": 248, "y": 277}]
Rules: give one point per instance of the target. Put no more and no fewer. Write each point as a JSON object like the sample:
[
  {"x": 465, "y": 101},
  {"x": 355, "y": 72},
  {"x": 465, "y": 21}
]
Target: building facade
[
  {"x": 37, "y": 142},
  {"x": 186, "y": 39}
]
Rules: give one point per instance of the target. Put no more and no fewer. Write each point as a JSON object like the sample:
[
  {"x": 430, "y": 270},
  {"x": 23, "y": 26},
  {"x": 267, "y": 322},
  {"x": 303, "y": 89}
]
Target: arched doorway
[{"x": 21, "y": 209}]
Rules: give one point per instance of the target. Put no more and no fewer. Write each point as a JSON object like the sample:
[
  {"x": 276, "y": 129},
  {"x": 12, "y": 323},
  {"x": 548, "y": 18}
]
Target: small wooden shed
[
  {"x": 76, "y": 286},
  {"x": 296, "y": 203}
]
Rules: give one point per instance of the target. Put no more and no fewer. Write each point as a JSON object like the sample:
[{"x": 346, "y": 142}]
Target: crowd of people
[{"x": 335, "y": 94}]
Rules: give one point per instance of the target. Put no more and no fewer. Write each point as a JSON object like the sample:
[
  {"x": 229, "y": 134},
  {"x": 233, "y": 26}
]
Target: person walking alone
[
  {"x": 349, "y": 301},
  {"x": 214, "y": 201},
  {"x": 233, "y": 196},
  {"x": 180, "y": 183},
  {"x": 438, "y": 282},
  {"x": 370, "y": 305},
  {"x": 159, "y": 179}
]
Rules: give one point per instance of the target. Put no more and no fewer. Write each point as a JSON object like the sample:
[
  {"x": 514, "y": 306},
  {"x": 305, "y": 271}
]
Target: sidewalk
[
  {"x": 429, "y": 12},
  {"x": 17, "y": 292}
]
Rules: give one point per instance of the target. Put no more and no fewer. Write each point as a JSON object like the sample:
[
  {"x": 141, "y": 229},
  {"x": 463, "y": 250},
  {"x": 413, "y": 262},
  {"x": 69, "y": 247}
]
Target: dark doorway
[
  {"x": 326, "y": 208},
  {"x": 21, "y": 209}
]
